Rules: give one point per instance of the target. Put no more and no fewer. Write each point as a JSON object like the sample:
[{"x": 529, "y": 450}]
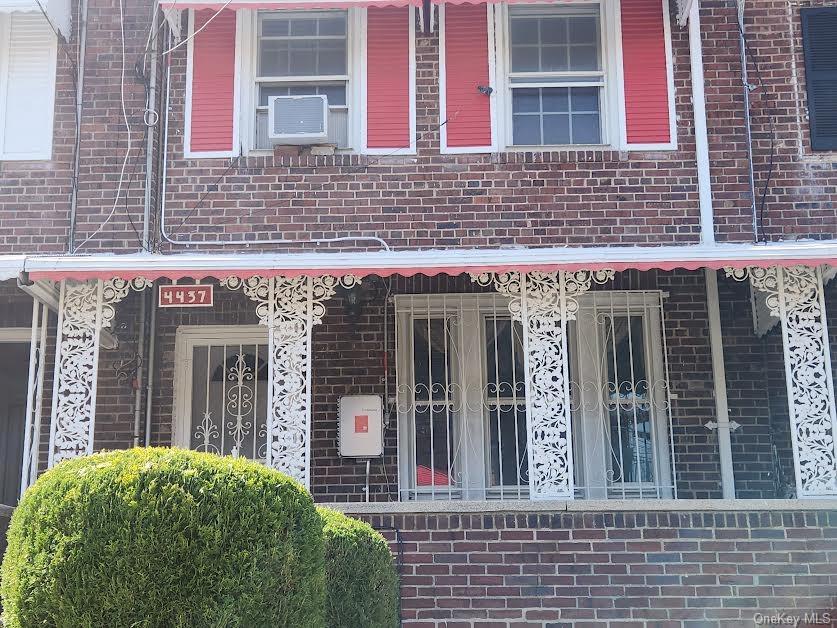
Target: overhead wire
[{"x": 149, "y": 120}]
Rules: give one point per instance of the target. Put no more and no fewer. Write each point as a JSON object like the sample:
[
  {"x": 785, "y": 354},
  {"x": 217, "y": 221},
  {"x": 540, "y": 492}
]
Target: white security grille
[
  {"x": 228, "y": 386},
  {"x": 462, "y": 398},
  {"x": 620, "y": 397}
]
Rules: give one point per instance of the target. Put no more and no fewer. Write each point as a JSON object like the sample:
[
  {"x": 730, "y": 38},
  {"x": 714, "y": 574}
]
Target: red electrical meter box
[{"x": 361, "y": 426}]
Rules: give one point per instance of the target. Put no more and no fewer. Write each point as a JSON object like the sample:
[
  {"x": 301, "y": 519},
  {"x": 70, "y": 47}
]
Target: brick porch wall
[{"x": 614, "y": 569}]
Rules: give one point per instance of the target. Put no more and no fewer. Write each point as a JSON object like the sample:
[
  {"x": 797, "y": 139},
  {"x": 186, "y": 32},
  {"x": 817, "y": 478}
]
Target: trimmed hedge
[
  {"x": 361, "y": 582},
  {"x": 164, "y": 538}
]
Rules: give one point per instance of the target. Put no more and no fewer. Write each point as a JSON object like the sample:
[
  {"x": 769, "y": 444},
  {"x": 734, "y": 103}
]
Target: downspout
[
  {"x": 140, "y": 366},
  {"x": 707, "y": 223},
  {"x": 82, "y": 50},
  {"x": 719, "y": 376},
  {"x": 745, "y": 83},
  {"x": 152, "y": 344}
]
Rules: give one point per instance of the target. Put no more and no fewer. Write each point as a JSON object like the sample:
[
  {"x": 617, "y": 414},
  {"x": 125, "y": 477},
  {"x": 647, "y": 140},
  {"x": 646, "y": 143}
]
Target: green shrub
[
  {"x": 361, "y": 583},
  {"x": 164, "y": 538}
]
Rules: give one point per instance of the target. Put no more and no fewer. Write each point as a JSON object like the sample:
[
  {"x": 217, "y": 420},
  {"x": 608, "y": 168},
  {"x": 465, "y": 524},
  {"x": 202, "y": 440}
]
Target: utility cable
[
  {"x": 127, "y": 128},
  {"x": 771, "y": 129}
]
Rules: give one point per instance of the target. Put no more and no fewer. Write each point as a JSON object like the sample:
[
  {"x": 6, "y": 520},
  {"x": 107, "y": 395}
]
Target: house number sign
[{"x": 186, "y": 295}]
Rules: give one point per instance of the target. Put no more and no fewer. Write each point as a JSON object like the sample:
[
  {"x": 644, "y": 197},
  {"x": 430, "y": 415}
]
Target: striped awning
[{"x": 428, "y": 262}]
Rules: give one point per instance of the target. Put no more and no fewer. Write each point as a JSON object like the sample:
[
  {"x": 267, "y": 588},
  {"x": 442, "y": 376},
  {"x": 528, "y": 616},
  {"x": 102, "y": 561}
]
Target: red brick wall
[
  {"x": 587, "y": 198},
  {"x": 613, "y": 568}
]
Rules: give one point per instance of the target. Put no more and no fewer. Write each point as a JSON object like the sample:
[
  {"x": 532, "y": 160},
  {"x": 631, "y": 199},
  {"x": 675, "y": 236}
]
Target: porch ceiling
[{"x": 429, "y": 262}]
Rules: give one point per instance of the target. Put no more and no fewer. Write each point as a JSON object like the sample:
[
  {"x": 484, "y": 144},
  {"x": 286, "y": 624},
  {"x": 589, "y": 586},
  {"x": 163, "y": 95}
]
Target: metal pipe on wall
[
  {"x": 745, "y": 82},
  {"x": 140, "y": 366},
  {"x": 150, "y": 118},
  {"x": 82, "y": 48},
  {"x": 152, "y": 345}
]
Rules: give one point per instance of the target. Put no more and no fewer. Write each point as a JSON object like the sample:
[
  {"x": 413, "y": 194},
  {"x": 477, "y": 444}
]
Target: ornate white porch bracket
[
  {"x": 85, "y": 308},
  {"x": 795, "y": 296},
  {"x": 290, "y": 307},
  {"x": 544, "y": 302}
]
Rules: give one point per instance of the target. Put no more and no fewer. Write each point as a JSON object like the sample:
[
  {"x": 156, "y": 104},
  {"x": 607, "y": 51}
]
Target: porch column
[
  {"x": 544, "y": 302},
  {"x": 289, "y": 307},
  {"x": 795, "y": 296},
  {"x": 84, "y": 309}
]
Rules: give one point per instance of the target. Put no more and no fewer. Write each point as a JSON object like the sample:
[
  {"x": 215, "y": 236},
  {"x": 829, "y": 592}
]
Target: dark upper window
[{"x": 819, "y": 40}]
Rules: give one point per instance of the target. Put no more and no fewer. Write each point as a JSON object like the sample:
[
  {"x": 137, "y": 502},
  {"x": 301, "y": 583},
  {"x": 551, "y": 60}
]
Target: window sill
[{"x": 584, "y": 505}]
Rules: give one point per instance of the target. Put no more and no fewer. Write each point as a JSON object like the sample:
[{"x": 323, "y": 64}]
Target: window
[
  {"x": 555, "y": 75},
  {"x": 819, "y": 35},
  {"x": 303, "y": 54},
  {"x": 28, "y": 50},
  {"x": 462, "y": 398}
]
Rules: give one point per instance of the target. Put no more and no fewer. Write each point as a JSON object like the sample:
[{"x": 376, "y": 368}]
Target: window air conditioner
[{"x": 298, "y": 119}]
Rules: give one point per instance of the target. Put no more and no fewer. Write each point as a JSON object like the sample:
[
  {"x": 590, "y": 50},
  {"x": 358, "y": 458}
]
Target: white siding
[{"x": 28, "y": 49}]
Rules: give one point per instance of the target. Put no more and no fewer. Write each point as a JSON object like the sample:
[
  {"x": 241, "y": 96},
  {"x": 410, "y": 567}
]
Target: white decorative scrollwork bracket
[
  {"x": 544, "y": 302},
  {"x": 796, "y": 297},
  {"x": 85, "y": 308},
  {"x": 289, "y": 307}
]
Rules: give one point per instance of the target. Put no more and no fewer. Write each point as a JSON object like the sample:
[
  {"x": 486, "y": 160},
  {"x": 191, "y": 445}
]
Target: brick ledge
[{"x": 583, "y": 505}]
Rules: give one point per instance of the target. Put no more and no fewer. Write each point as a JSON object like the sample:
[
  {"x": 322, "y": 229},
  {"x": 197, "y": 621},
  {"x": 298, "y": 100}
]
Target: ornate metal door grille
[{"x": 229, "y": 400}]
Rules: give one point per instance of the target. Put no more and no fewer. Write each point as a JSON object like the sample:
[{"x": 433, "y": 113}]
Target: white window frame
[
  {"x": 5, "y": 39},
  {"x": 473, "y": 467},
  {"x": 611, "y": 59},
  {"x": 355, "y": 81},
  {"x": 187, "y": 338}
]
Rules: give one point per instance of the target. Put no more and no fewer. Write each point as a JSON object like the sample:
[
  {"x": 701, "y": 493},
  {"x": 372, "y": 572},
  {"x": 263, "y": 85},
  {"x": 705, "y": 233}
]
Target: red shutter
[
  {"x": 467, "y": 110},
  {"x": 213, "y": 83},
  {"x": 388, "y": 77},
  {"x": 646, "y": 76}
]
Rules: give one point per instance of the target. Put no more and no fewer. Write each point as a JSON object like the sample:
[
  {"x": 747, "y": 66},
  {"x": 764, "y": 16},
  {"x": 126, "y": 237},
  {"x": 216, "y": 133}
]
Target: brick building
[{"x": 538, "y": 289}]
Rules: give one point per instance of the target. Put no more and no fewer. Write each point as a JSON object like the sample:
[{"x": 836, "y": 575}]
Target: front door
[{"x": 221, "y": 390}]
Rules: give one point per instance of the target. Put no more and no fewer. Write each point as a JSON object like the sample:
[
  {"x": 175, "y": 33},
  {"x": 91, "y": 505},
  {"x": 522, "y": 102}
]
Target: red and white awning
[
  {"x": 430, "y": 262},
  {"x": 282, "y": 4}
]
